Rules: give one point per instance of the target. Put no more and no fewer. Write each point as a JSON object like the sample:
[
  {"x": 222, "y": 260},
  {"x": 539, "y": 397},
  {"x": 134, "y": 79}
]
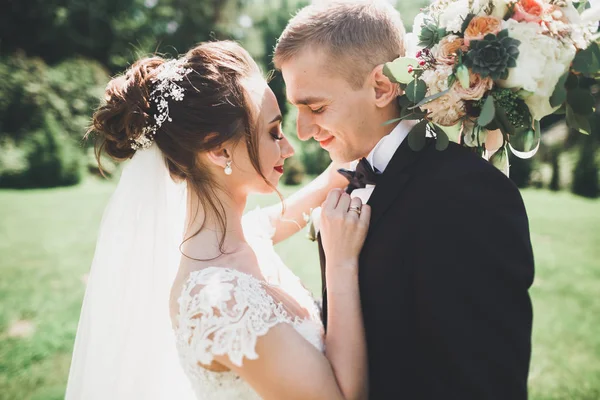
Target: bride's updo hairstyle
[{"x": 215, "y": 109}]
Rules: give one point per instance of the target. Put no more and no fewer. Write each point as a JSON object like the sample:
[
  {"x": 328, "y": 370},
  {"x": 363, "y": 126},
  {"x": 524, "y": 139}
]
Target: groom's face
[{"x": 330, "y": 110}]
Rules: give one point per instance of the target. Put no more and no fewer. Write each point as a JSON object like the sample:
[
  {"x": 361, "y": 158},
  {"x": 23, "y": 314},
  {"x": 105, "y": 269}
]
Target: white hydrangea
[
  {"x": 582, "y": 26},
  {"x": 453, "y": 16},
  {"x": 542, "y": 61}
]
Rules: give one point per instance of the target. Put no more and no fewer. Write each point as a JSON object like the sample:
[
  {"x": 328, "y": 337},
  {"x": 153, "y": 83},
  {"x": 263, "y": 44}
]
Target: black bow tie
[{"x": 363, "y": 176}]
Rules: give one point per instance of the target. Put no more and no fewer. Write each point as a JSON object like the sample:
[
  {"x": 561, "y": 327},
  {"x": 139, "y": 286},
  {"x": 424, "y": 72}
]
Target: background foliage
[{"x": 56, "y": 57}]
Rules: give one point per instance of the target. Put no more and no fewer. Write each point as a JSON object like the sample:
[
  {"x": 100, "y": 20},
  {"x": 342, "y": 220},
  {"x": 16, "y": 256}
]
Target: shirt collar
[{"x": 384, "y": 150}]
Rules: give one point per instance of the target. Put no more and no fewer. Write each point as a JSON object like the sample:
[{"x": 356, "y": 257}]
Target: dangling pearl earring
[{"x": 228, "y": 170}]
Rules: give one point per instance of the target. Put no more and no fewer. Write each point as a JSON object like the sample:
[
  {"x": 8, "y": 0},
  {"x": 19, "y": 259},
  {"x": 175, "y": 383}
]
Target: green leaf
[
  {"x": 404, "y": 102},
  {"x": 397, "y": 70},
  {"x": 466, "y": 22},
  {"x": 560, "y": 91},
  {"x": 429, "y": 99},
  {"x": 416, "y": 90},
  {"x": 442, "y": 141},
  {"x": 502, "y": 121},
  {"x": 581, "y": 100},
  {"x": 587, "y": 61},
  {"x": 462, "y": 73},
  {"x": 391, "y": 121},
  {"x": 488, "y": 111},
  {"x": 412, "y": 114},
  {"x": 583, "y": 5},
  {"x": 417, "y": 136},
  {"x": 453, "y": 132},
  {"x": 578, "y": 122}
]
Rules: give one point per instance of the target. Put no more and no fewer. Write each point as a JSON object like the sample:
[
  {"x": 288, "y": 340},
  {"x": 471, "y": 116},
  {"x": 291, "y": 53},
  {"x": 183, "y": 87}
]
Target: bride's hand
[{"x": 344, "y": 226}]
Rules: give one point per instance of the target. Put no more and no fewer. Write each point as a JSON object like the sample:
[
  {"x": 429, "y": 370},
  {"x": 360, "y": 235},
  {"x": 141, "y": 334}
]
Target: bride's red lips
[{"x": 279, "y": 169}]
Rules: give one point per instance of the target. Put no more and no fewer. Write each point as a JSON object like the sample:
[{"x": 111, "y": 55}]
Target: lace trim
[{"x": 223, "y": 311}]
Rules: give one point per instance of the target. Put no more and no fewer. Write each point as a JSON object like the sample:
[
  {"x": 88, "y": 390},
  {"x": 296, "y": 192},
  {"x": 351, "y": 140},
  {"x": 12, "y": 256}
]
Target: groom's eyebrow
[{"x": 309, "y": 100}]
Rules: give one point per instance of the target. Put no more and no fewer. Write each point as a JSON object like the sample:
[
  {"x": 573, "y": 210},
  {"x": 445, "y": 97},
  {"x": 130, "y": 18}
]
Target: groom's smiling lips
[{"x": 325, "y": 142}]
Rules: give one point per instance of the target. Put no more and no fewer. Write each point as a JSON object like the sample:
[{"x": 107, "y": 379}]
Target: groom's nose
[{"x": 305, "y": 126}]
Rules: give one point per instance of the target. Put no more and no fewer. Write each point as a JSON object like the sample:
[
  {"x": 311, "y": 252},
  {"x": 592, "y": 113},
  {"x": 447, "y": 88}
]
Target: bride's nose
[{"x": 287, "y": 150}]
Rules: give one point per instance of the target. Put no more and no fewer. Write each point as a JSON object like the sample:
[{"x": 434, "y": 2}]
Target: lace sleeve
[{"x": 223, "y": 312}]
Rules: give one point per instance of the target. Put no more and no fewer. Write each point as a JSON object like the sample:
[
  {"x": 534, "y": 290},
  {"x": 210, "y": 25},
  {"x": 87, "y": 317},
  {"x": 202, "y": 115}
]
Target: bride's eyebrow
[{"x": 278, "y": 118}]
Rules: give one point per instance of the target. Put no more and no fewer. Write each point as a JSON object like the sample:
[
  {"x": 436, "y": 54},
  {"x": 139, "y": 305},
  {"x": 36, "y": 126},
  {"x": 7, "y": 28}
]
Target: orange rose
[
  {"x": 447, "y": 49},
  {"x": 481, "y": 26},
  {"x": 477, "y": 88},
  {"x": 529, "y": 11}
]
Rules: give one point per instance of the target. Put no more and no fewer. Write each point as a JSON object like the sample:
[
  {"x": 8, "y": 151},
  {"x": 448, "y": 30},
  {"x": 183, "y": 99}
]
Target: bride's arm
[
  {"x": 288, "y": 366},
  {"x": 301, "y": 202}
]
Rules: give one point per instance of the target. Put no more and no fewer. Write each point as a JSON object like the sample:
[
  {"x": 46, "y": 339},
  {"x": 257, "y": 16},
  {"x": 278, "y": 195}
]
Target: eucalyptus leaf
[
  {"x": 462, "y": 73},
  {"x": 587, "y": 61},
  {"x": 502, "y": 121},
  {"x": 391, "y": 121},
  {"x": 417, "y": 136},
  {"x": 453, "y": 132},
  {"x": 397, "y": 70},
  {"x": 416, "y": 90},
  {"x": 578, "y": 122},
  {"x": 560, "y": 91},
  {"x": 442, "y": 141},
  {"x": 429, "y": 99},
  {"x": 404, "y": 102},
  {"x": 410, "y": 114},
  {"x": 581, "y": 101},
  {"x": 488, "y": 111}
]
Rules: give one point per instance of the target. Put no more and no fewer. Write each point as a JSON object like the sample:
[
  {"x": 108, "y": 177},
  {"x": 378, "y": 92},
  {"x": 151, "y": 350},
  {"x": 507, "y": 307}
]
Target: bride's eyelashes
[
  {"x": 276, "y": 134},
  {"x": 318, "y": 110}
]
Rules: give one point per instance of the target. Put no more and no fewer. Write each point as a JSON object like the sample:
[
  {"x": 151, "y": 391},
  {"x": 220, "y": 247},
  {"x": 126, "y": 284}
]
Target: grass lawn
[{"x": 47, "y": 239}]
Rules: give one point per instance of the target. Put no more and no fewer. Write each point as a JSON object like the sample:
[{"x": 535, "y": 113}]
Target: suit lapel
[{"x": 394, "y": 179}]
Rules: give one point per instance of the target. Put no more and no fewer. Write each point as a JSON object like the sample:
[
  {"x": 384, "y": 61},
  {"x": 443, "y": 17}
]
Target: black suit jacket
[{"x": 444, "y": 279}]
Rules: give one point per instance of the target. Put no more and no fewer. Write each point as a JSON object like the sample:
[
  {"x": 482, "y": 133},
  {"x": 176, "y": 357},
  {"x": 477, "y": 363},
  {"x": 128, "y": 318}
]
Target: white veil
[{"x": 125, "y": 347}]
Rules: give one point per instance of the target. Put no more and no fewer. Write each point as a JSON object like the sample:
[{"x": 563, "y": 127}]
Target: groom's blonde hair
[{"x": 357, "y": 36}]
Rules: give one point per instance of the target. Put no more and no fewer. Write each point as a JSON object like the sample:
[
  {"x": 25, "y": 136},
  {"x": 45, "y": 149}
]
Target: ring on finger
[{"x": 355, "y": 209}]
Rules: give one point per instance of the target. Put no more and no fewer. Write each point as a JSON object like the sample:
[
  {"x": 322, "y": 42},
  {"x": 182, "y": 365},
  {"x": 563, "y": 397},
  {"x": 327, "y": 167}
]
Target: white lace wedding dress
[{"x": 224, "y": 311}]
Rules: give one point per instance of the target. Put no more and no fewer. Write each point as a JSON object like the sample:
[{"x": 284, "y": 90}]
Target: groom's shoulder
[{"x": 459, "y": 169}]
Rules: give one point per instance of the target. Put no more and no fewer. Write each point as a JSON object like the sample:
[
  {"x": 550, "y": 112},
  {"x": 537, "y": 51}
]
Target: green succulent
[
  {"x": 493, "y": 55},
  {"x": 431, "y": 34}
]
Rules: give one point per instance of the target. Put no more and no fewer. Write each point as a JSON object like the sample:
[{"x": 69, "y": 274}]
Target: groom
[{"x": 446, "y": 267}]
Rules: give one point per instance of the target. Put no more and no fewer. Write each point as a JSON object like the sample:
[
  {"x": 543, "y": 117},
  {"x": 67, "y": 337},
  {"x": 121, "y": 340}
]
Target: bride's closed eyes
[{"x": 276, "y": 133}]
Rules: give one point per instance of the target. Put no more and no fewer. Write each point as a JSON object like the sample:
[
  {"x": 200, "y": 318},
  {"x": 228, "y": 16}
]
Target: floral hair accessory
[{"x": 169, "y": 74}]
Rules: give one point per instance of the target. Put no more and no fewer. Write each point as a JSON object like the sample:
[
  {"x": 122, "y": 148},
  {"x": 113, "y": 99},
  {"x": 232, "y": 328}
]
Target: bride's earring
[{"x": 228, "y": 169}]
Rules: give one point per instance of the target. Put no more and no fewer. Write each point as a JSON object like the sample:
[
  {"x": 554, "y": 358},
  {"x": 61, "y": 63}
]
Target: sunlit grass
[{"x": 47, "y": 240}]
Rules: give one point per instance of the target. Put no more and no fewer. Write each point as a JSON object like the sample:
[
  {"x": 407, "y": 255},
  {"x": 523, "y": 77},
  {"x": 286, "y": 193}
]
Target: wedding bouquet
[{"x": 487, "y": 71}]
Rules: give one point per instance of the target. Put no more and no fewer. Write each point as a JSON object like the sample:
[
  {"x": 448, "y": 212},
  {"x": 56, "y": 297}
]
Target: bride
[{"x": 186, "y": 296}]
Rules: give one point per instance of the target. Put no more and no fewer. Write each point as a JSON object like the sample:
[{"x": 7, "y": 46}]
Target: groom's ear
[{"x": 385, "y": 91}]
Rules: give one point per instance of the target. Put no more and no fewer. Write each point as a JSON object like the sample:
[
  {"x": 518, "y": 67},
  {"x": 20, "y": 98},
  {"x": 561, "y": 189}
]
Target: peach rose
[
  {"x": 446, "y": 110},
  {"x": 478, "y": 86},
  {"x": 447, "y": 49},
  {"x": 529, "y": 11},
  {"x": 481, "y": 26}
]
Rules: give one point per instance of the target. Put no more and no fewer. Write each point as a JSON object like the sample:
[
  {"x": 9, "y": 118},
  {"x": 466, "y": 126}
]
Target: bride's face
[{"x": 273, "y": 146}]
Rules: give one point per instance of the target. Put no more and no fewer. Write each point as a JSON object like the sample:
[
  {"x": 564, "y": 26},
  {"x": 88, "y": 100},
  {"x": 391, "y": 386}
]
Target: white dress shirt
[{"x": 382, "y": 154}]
